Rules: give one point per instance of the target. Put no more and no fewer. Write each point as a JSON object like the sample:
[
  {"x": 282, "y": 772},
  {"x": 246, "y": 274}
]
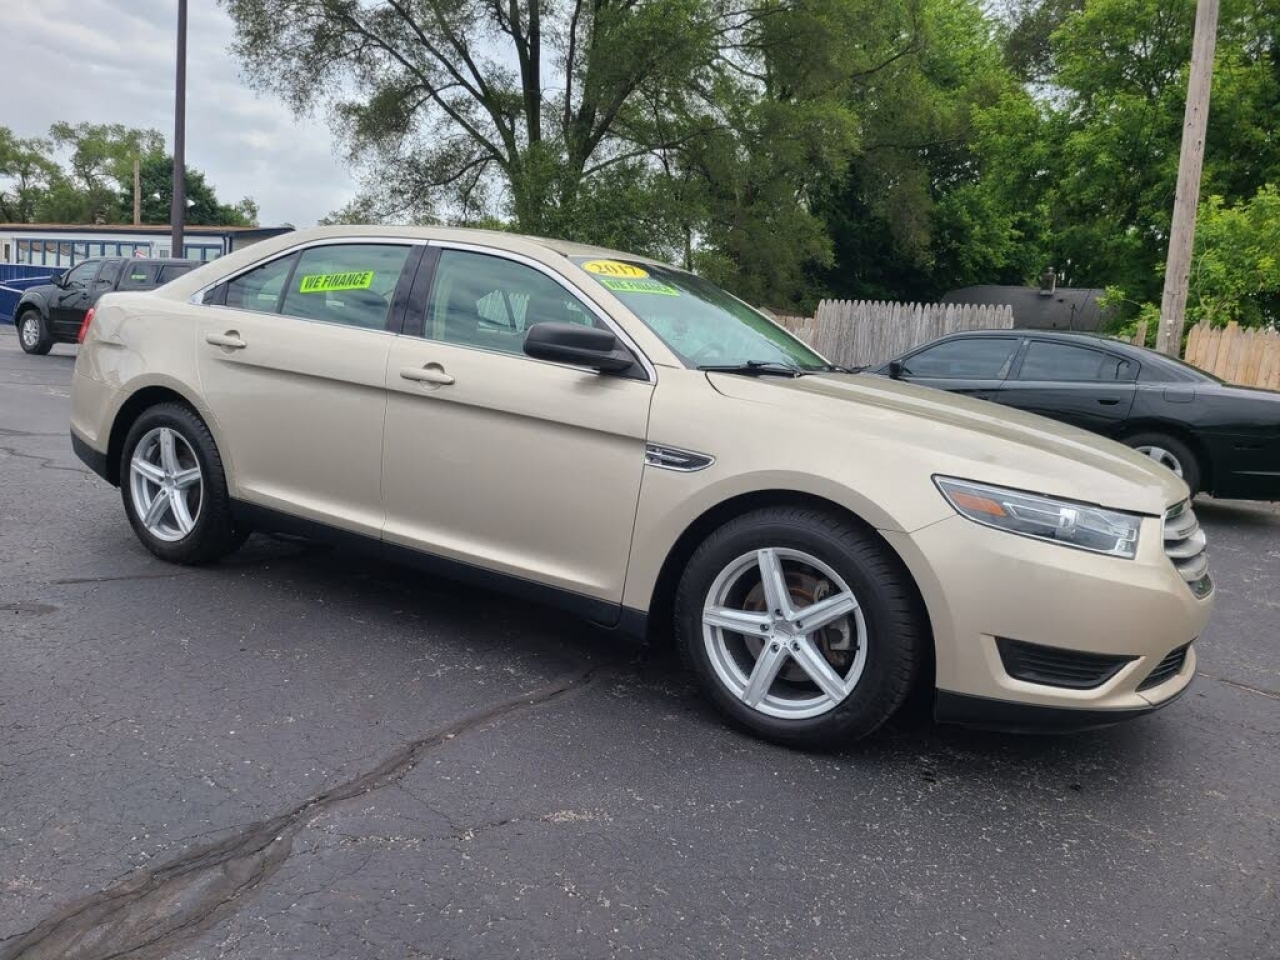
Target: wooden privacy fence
[
  {"x": 856, "y": 333},
  {"x": 1250, "y": 358}
]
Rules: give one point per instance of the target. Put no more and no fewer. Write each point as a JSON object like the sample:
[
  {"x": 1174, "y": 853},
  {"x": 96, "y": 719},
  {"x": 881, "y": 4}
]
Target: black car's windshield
[{"x": 702, "y": 324}]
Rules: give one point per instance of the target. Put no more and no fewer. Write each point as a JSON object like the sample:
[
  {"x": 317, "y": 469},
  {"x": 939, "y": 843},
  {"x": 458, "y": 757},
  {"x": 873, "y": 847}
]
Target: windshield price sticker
[
  {"x": 326, "y": 282},
  {"x": 639, "y": 286},
  {"x": 614, "y": 268}
]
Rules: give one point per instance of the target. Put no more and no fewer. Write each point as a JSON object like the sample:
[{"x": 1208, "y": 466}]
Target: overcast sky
[{"x": 112, "y": 61}]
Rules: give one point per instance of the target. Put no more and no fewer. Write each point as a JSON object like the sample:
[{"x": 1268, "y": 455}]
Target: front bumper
[
  {"x": 981, "y": 584},
  {"x": 1011, "y": 717}
]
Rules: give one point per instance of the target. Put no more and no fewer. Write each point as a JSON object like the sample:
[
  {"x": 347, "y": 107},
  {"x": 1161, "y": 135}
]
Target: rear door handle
[
  {"x": 1108, "y": 403},
  {"x": 231, "y": 340},
  {"x": 431, "y": 373}
]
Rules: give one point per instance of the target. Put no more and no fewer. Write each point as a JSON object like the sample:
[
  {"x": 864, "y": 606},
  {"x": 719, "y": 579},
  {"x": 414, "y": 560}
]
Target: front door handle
[
  {"x": 1108, "y": 403},
  {"x": 431, "y": 373},
  {"x": 231, "y": 340}
]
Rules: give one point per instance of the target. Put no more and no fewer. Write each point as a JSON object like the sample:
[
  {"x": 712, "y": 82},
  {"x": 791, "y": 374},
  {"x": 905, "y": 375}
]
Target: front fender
[
  {"x": 672, "y": 502},
  {"x": 32, "y": 299}
]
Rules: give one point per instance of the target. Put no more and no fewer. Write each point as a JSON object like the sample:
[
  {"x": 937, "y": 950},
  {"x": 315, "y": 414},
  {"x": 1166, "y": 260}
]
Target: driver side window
[
  {"x": 975, "y": 358},
  {"x": 82, "y": 273},
  {"x": 490, "y": 302}
]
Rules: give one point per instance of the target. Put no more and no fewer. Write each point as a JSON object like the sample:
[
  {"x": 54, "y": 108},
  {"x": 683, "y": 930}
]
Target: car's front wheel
[
  {"x": 32, "y": 335},
  {"x": 801, "y": 626},
  {"x": 174, "y": 489}
]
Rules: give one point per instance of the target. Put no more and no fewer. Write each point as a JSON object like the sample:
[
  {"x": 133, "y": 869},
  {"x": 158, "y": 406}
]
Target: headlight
[{"x": 1043, "y": 518}]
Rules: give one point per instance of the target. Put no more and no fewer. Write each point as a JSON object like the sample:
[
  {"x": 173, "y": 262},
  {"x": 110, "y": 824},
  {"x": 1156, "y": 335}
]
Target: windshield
[{"x": 701, "y": 323}]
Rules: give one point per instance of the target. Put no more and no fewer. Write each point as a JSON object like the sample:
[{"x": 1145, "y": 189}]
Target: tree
[
  {"x": 1089, "y": 168},
  {"x": 906, "y": 217},
  {"x": 486, "y": 106},
  {"x": 100, "y": 161},
  {"x": 203, "y": 206},
  {"x": 25, "y": 174},
  {"x": 97, "y": 184}
]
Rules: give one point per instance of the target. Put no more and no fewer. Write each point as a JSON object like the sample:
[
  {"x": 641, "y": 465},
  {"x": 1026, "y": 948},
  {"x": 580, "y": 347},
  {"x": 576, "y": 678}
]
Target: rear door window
[
  {"x": 348, "y": 284},
  {"x": 138, "y": 275},
  {"x": 171, "y": 271},
  {"x": 259, "y": 289},
  {"x": 1068, "y": 363}
]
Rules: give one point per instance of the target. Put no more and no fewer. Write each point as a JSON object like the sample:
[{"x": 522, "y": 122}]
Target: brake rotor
[{"x": 835, "y": 640}]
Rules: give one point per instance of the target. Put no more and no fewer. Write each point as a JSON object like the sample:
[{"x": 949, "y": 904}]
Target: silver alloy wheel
[
  {"x": 166, "y": 484},
  {"x": 30, "y": 330},
  {"x": 1163, "y": 457},
  {"x": 785, "y": 634}
]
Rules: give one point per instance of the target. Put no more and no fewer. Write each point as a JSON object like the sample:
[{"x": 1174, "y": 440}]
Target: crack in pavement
[
  {"x": 10, "y": 432},
  {"x": 45, "y": 463},
  {"x": 1260, "y": 691},
  {"x": 151, "y": 911},
  {"x": 125, "y": 576}
]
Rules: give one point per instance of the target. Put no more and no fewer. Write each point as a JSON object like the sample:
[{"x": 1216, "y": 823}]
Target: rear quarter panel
[{"x": 137, "y": 341}]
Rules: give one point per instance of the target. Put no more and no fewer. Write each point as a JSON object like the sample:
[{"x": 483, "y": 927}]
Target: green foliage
[
  {"x": 203, "y": 207},
  {"x": 1236, "y": 271},
  {"x": 26, "y": 173},
  {"x": 96, "y": 184},
  {"x": 794, "y": 149},
  {"x": 1089, "y": 170}
]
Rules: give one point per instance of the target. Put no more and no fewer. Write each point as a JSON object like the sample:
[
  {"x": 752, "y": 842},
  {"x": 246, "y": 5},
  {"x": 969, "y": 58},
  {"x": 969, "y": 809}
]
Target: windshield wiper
[
  {"x": 755, "y": 368},
  {"x": 834, "y": 368}
]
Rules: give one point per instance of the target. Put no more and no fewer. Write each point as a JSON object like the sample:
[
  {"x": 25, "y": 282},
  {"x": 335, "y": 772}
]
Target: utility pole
[
  {"x": 178, "y": 211},
  {"x": 1182, "y": 234},
  {"x": 137, "y": 191}
]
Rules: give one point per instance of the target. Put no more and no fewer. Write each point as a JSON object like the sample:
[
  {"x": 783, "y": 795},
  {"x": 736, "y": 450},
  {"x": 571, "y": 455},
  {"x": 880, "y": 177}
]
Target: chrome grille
[{"x": 1184, "y": 544}]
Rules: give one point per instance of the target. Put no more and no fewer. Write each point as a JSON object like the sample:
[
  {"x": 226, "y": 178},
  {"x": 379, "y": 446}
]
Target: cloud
[{"x": 112, "y": 61}]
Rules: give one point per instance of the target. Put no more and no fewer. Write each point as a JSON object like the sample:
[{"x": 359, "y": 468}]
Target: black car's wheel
[
  {"x": 800, "y": 625},
  {"x": 32, "y": 334},
  {"x": 174, "y": 489},
  {"x": 1170, "y": 452}
]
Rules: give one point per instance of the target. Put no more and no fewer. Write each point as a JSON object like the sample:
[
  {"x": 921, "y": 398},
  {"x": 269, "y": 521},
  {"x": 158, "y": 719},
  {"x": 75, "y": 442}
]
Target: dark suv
[{"x": 53, "y": 312}]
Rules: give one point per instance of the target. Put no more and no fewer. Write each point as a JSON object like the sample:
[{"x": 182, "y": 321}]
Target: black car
[
  {"x": 52, "y": 312},
  {"x": 1220, "y": 439}
]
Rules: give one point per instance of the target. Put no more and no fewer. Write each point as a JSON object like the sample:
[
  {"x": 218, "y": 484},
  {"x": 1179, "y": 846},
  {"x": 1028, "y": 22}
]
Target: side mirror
[
  {"x": 895, "y": 369},
  {"x": 581, "y": 346},
  {"x": 56, "y": 279}
]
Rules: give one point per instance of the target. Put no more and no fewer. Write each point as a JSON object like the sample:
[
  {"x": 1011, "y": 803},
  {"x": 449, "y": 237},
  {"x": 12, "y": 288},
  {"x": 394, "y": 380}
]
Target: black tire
[
  {"x": 39, "y": 344},
  {"x": 214, "y": 534},
  {"x": 896, "y": 630},
  {"x": 1183, "y": 455}
]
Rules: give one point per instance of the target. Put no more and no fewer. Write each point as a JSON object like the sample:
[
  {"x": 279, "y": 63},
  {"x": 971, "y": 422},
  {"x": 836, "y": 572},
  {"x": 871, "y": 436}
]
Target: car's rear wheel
[
  {"x": 32, "y": 335},
  {"x": 174, "y": 489},
  {"x": 1171, "y": 453},
  {"x": 801, "y": 626}
]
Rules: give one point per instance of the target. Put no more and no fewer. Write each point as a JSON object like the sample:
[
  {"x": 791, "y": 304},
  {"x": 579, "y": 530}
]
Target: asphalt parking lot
[{"x": 299, "y": 754}]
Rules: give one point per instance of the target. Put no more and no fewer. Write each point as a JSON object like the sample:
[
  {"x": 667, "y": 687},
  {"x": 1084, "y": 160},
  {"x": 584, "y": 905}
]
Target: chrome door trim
[{"x": 651, "y": 373}]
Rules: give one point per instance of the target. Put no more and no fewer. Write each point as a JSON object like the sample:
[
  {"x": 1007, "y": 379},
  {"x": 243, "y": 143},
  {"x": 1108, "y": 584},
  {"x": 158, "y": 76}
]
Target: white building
[{"x": 63, "y": 245}]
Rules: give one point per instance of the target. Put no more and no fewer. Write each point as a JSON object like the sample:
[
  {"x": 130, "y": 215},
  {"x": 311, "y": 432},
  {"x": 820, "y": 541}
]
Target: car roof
[
  {"x": 1148, "y": 358},
  {"x": 1060, "y": 336},
  {"x": 500, "y": 239}
]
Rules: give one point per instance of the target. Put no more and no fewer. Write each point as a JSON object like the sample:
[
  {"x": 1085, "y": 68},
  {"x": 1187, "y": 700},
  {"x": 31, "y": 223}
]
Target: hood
[
  {"x": 40, "y": 291},
  {"x": 974, "y": 439}
]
